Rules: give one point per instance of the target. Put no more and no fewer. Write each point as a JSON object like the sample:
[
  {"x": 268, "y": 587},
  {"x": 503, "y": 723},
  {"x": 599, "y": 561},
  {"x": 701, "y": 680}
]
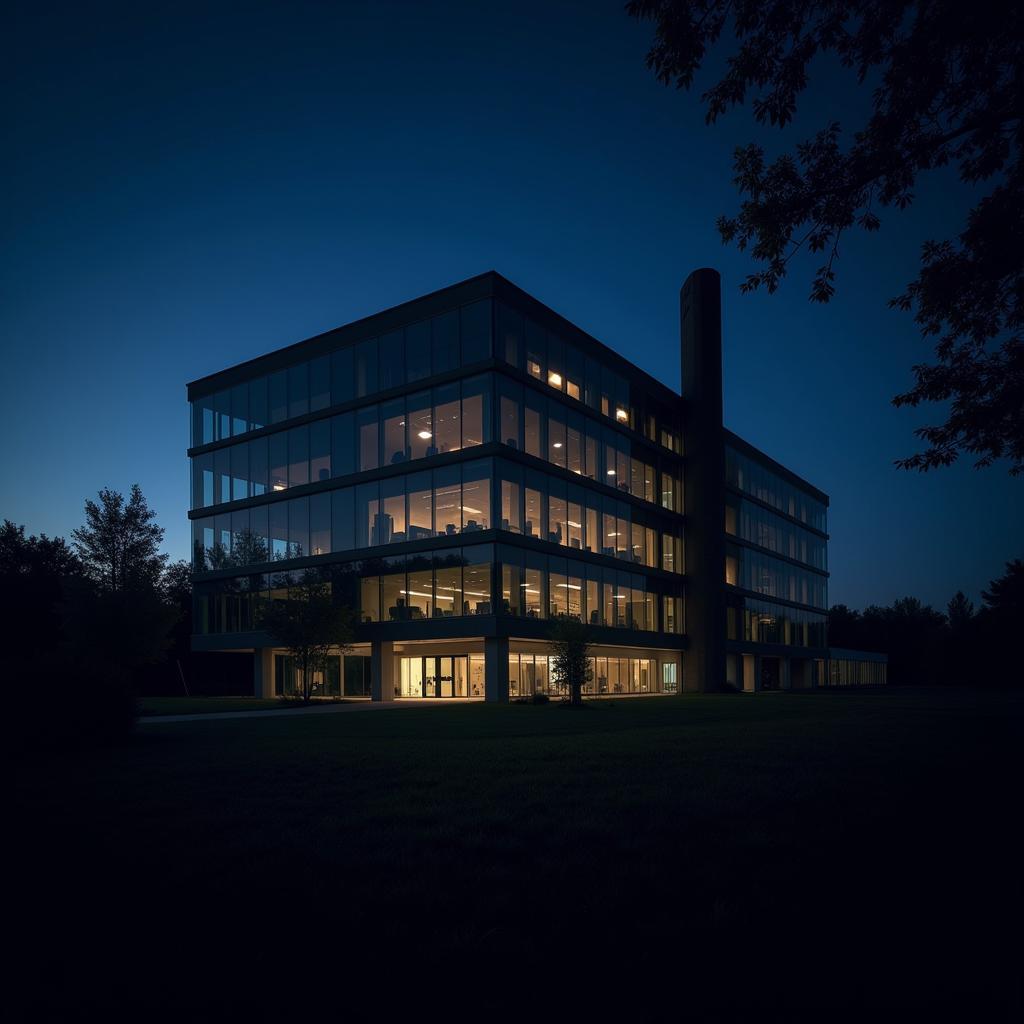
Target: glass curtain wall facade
[
  {"x": 473, "y": 468},
  {"x": 776, "y": 575},
  {"x": 471, "y": 465}
]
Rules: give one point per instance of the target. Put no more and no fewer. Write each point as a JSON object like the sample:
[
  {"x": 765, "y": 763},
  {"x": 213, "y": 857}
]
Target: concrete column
[
  {"x": 496, "y": 669},
  {"x": 700, "y": 309},
  {"x": 382, "y": 670},
  {"x": 263, "y": 672},
  {"x": 785, "y": 676}
]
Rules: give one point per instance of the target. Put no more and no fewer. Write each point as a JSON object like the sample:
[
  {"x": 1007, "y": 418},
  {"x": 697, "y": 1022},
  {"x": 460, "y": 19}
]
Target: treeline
[
  {"x": 963, "y": 646},
  {"x": 107, "y": 613}
]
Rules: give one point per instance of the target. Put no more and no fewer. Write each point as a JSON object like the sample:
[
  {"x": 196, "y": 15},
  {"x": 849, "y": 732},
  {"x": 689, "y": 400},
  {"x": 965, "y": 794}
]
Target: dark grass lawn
[
  {"x": 160, "y": 706},
  {"x": 835, "y": 850}
]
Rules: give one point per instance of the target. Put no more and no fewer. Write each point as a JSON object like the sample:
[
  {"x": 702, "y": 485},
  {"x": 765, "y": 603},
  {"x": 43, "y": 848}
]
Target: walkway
[{"x": 323, "y": 709}]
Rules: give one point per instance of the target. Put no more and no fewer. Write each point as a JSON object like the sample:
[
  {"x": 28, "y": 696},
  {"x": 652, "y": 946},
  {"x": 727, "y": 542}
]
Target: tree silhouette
[
  {"x": 307, "y": 623},
  {"x": 1006, "y": 593},
  {"x": 570, "y": 664},
  {"x": 959, "y": 612},
  {"x": 34, "y": 573},
  {"x": 948, "y": 92},
  {"x": 119, "y": 545}
]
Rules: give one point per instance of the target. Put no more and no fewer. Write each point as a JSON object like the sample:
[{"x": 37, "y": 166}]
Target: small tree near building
[
  {"x": 308, "y": 624},
  {"x": 570, "y": 664}
]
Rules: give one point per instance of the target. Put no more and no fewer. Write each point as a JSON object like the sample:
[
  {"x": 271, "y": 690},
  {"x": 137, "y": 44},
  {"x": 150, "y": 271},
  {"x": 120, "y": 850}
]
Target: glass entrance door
[{"x": 444, "y": 676}]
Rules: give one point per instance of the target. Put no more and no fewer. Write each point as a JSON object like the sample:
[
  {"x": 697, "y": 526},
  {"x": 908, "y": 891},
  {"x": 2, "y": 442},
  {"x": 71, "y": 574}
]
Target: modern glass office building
[{"x": 464, "y": 468}]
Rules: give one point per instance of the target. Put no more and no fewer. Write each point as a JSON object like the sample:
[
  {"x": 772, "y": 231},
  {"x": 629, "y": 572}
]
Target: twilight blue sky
[{"x": 190, "y": 185}]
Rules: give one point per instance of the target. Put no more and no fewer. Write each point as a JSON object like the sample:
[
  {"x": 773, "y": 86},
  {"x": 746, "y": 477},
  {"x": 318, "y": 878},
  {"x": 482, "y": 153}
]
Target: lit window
[{"x": 554, "y": 379}]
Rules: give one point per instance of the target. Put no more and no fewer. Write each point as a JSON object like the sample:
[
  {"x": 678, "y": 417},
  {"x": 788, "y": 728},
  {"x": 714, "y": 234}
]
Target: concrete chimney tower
[{"x": 700, "y": 305}]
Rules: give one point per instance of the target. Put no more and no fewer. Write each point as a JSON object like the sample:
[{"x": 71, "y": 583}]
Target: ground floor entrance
[
  {"x": 465, "y": 668},
  {"x": 458, "y": 675}
]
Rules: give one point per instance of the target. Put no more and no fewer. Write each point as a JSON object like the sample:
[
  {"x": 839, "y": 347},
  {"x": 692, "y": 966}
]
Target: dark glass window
[
  {"x": 298, "y": 390},
  {"x": 534, "y": 494},
  {"x": 278, "y": 384},
  {"x": 392, "y": 507},
  {"x": 511, "y": 581},
  {"x": 298, "y": 456},
  {"x": 223, "y": 403},
  {"x": 320, "y": 524},
  {"x": 342, "y": 377},
  {"x": 558, "y": 527},
  {"x": 241, "y": 548},
  {"x": 392, "y": 360},
  {"x": 556, "y": 434},
  {"x": 447, "y": 418},
  {"x": 574, "y": 443},
  {"x": 477, "y": 580},
  {"x": 202, "y": 480},
  {"x": 511, "y": 498},
  {"x": 558, "y": 587},
  {"x": 278, "y": 461},
  {"x": 421, "y": 429},
  {"x": 476, "y": 411},
  {"x": 574, "y": 519},
  {"x": 222, "y": 475},
  {"x": 298, "y": 527},
  {"x": 343, "y": 519},
  {"x": 239, "y": 409},
  {"x": 366, "y": 367},
  {"x": 366, "y": 512},
  {"x": 592, "y": 457},
  {"x": 259, "y": 524},
  {"x": 203, "y": 423},
  {"x": 556, "y": 363},
  {"x": 533, "y": 421},
  {"x": 448, "y": 599},
  {"x": 343, "y": 453},
  {"x": 239, "y": 471},
  {"x": 421, "y": 586},
  {"x": 320, "y": 451},
  {"x": 510, "y": 400},
  {"x": 258, "y": 412},
  {"x": 536, "y": 350},
  {"x": 476, "y": 331},
  {"x": 418, "y": 490},
  {"x": 573, "y": 373},
  {"x": 447, "y": 501},
  {"x": 592, "y": 383},
  {"x": 417, "y": 351},
  {"x": 476, "y": 496},
  {"x": 510, "y": 335},
  {"x": 392, "y": 416},
  {"x": 366, "y": 425},
  {"x": 320, "y": 383},
  {"x": 444, "y": 339},
  {"x": 369, "y": 591},
  {"x": 222, "y": 541},
  {"x": 393, "y": 598},
  {"x": 279, "y": 530}
]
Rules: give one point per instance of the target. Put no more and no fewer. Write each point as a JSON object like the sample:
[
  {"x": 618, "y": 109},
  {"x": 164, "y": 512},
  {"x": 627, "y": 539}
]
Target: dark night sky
[{"x": 185, "y": 190}]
